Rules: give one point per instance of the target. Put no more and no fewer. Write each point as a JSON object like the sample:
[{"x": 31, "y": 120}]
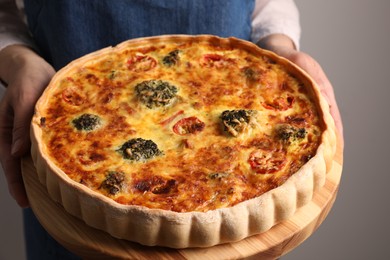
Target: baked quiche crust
[{"x": 198, "y": 227}]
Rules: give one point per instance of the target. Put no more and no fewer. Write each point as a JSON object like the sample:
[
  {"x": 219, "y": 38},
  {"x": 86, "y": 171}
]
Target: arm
[
  {"x": 280, "y": 33},
  {"x": 26, "y": 75},
  {"x": 284, "y": 46},
  {"x": 276, "y": 17},
  {"x": 12, "y": 28}
]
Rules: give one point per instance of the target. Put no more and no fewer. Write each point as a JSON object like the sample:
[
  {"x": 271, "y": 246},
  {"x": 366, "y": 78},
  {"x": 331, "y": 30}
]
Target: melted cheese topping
[{"x": 201, "y": 167}]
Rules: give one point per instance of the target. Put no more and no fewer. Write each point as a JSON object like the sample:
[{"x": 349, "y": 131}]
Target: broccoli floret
[
  {"x": 156, "y": 93},
  {"x": 236, "y": 121},
  {"x": 289, "y": 133},
  {"x": 171, "y": 59},
  {"x": 113, "y": 182},
  {"x": 87, "y": 122},
  {"x": 139, "y": 149}
]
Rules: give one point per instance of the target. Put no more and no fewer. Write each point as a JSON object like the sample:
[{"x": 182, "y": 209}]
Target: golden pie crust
[{"x": 161, "y": 227}]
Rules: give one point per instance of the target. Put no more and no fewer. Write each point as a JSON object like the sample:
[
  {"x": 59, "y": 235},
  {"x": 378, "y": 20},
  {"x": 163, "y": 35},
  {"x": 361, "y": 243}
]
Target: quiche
[{"x": 182, "y": 141}]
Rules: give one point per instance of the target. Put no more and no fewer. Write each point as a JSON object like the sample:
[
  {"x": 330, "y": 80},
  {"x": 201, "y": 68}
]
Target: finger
[
  {"x": 23, "y": 108},
  {"x": 20, "y": 132},
  {"x": 334, "y": 111},
  {"x": 16, "y": 188},
  {"x": 10, "y": 164},
  {"x": 327, "y": 92}
]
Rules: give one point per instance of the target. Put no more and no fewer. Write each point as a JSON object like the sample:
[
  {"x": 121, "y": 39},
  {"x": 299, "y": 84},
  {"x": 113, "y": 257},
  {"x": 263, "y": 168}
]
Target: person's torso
[{"x": 67, "y": 29}]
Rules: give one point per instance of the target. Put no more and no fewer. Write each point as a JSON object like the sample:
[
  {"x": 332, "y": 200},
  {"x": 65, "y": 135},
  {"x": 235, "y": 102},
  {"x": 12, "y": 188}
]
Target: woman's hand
[
  {"x": 26, "y": 75},
  {"x": 283, "y": 46}
]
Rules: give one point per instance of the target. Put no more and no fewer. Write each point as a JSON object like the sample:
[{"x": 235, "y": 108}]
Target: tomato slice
[
  {"x": 265, "y": 161},
  {"x": 215, "y": 60},
  {"x": 156, "y": 184},
  {"x": 171, "y": 118},
  {"x": 140, "y": 62},
  {"x": 211, "y": 57},
  {"x": 279, "y": 103},
  {"x": 72, "y": 96},
  {"x": 188, "y": 125}
]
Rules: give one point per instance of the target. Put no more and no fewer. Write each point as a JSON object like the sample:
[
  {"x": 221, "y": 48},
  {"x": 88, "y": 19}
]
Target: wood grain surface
[{"x": 90, "y": 243}]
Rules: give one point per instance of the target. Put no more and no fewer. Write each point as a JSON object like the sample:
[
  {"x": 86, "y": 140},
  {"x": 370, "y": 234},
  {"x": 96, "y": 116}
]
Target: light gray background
[{"x": 350, "y": 39}]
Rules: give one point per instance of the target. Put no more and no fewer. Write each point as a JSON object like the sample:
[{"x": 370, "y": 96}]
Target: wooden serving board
[{"x": 90, "y": 243}]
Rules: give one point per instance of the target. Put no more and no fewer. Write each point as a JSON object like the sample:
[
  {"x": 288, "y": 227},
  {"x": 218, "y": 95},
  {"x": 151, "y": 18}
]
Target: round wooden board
[{"x": 90, "y": 243}]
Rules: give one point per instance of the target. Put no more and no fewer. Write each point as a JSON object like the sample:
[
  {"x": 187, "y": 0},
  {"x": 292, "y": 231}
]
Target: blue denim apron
[{"x": 67, "y": 29}]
